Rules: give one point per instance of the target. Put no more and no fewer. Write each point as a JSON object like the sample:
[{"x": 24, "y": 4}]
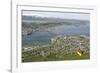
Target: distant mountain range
[
  {"x": 40, "y": 23},
  {"x": 36, "y": 17}
]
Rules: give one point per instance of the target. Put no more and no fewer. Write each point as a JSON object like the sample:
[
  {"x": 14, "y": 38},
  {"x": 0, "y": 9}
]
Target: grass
[{"x": 74, "y": 56}]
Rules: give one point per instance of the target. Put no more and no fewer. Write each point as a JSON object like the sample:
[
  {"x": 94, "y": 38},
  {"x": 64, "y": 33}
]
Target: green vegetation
[
  {"x": 60, "y": 48},
  {"x": 74, "y": 56}
]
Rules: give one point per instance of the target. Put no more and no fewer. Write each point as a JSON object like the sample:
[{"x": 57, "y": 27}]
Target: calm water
[
  {"x": 37, "y": 37},
  {"x": 44, "y": 37}
]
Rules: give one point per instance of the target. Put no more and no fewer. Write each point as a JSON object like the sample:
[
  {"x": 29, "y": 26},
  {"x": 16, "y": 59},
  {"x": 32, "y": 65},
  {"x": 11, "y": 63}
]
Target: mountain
[{"x": 38, "y": 18}]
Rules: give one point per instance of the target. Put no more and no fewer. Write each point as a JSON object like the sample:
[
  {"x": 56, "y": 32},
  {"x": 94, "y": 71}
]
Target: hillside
[{"x": 61, "y": 48}]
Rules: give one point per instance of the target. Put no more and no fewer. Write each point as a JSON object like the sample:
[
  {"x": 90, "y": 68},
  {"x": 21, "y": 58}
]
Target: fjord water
[{"x": 64, "y": 30}]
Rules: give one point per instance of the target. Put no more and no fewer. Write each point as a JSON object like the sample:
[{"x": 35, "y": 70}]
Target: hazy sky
[{"x": 79, "y": 16}]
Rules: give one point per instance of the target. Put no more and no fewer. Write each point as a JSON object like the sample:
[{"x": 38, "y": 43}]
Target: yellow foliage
[{"x": 79, "y": 53}]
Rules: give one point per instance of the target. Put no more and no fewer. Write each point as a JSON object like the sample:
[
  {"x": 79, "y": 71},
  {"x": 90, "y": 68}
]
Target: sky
[{"x": 67, "y": 15}]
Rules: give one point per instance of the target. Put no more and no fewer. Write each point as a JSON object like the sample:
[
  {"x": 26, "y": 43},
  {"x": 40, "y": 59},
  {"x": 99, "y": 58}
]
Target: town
[{"x": 60, "y": 48}]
